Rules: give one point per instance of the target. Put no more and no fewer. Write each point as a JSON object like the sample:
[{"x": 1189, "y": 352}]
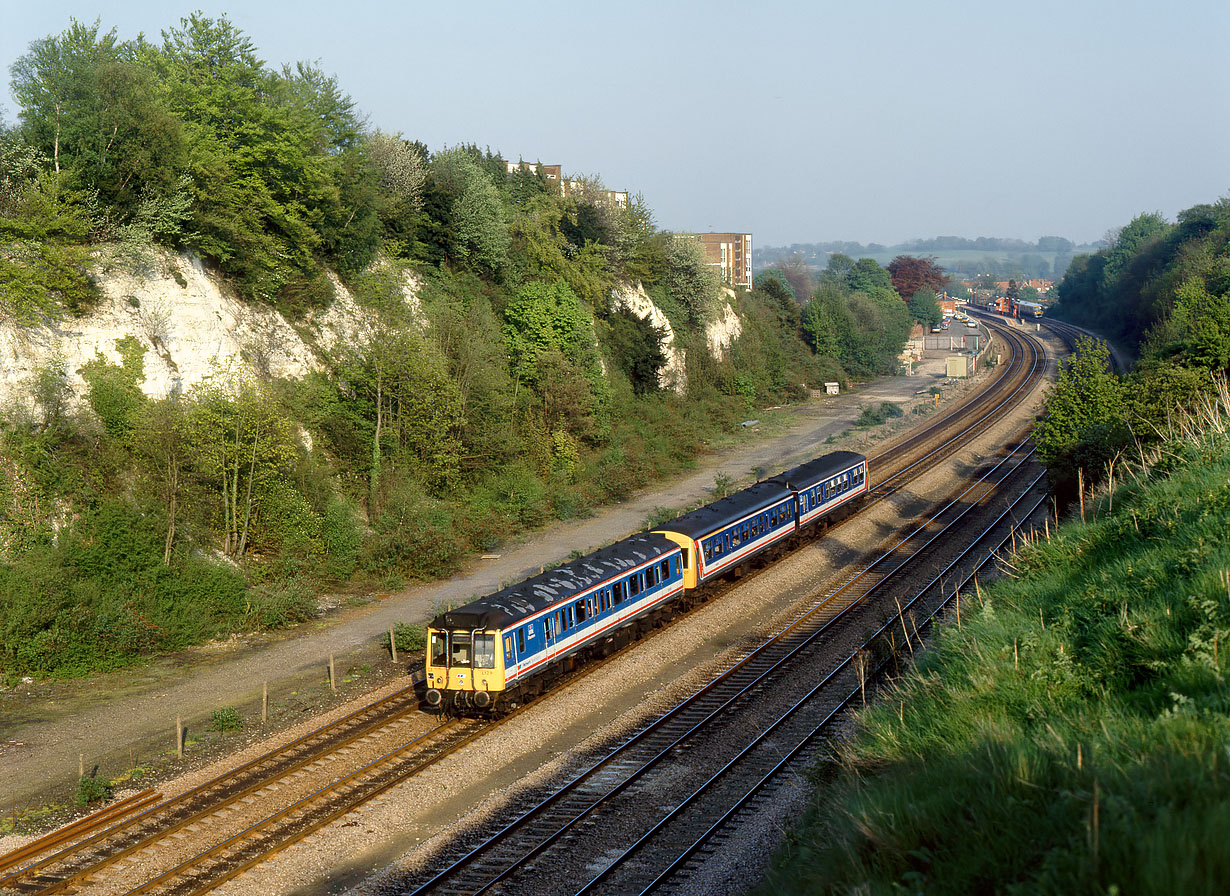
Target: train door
[{"x": 551, "y": 626}]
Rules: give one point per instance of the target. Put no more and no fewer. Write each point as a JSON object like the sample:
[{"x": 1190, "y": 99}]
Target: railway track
[
  {"x": 301, "y": 787},
  {"x": 636, "y": 777}
]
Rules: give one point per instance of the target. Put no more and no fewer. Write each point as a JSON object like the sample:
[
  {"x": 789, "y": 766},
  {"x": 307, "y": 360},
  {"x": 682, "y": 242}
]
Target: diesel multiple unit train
[{"x": 503, "y": 649}]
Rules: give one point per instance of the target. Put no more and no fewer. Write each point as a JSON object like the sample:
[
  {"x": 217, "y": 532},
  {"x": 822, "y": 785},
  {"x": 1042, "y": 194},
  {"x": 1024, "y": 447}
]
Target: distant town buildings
[
  {"x": 567, "y": 186},
  {"x": 732, "y": 254}
]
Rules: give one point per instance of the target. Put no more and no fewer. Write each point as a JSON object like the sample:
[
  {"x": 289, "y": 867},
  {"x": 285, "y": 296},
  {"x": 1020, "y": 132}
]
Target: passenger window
[
  {"x": 484, "y": 651},
  {"x": 665, "y": 569},
  {"x": 580, "y": 611},
  {"x": 508, "y": 651},
  {"x": 636, "y": 584},
  {"x": 520, "y": 641}
]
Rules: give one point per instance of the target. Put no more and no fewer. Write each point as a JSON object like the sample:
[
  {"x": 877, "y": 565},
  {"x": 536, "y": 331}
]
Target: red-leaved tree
[{"x": 910, "y": 274}]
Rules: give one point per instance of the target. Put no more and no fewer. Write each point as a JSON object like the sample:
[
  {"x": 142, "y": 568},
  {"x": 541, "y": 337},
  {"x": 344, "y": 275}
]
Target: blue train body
[{"x": 504, "y": 648}]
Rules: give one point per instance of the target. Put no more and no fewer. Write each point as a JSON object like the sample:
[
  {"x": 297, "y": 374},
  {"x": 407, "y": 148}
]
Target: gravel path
[{"x": 117, "y": 722}]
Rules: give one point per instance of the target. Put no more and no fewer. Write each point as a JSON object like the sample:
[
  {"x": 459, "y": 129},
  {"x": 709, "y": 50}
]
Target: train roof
[
  {"x": 728, "y": 510},
  {"x": 516, "y": 602},
  {"x": 815, "y": 471}
]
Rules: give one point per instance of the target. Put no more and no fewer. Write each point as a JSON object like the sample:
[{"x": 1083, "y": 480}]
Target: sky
[{"x": 798, "y": 122}]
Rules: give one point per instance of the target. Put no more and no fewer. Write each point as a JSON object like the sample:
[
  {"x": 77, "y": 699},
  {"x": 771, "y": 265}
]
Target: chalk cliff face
[
  {"x": 190, "y": 326},
  {"x": 720, "y": 333},
  {"x": 634, "y": 299}
]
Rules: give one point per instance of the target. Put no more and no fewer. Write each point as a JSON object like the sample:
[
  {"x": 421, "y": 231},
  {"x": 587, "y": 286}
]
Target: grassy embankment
[{"x": 1072, "y": 735}]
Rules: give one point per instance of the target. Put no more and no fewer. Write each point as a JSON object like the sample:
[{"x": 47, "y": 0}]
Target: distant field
[{"x": 1030, "y": 264}]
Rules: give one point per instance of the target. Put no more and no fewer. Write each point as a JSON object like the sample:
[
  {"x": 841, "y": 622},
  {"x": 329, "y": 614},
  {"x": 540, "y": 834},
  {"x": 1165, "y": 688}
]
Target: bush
[
  {"x": 91, "y": 789},
  {"x": 874, "y": 416},
  {"x": 280, "y": 604},
  {"x": 407, "y": 637},
  {"x": 225, "y": 719}
]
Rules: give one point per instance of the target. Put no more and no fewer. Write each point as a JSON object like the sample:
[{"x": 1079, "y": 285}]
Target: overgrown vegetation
[
  {"x": 493, "y": 383},
  {"x": 1069, "y": 736},
  {"x": 1165, "y": 291}
]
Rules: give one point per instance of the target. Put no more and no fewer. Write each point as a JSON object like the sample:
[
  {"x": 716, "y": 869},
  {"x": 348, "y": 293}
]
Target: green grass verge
[{"x": 1071, "y": 737}]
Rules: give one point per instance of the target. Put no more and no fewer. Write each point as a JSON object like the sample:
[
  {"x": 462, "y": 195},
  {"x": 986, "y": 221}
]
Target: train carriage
[
  {"x": 827, "y": 488},
  {"x": 722, "y": 536},
  {"x": 494, "y": 652}
]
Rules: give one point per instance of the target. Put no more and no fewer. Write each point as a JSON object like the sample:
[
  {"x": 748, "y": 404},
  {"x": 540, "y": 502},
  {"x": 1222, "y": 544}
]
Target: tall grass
[{"x": 1071, "y": 736}]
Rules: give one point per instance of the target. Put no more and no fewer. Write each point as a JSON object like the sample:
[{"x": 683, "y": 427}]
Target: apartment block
[{"x": 732, "y": 254}]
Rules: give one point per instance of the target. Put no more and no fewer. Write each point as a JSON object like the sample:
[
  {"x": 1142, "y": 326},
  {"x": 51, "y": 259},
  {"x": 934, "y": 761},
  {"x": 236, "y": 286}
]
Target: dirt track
[{"x": 121, "y": 721}]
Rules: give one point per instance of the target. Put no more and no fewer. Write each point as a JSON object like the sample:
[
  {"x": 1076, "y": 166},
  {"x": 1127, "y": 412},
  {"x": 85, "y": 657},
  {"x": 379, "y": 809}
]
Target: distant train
[
  {"x": 1014, "y": 307},
  {"x": 503, "y": 649}
]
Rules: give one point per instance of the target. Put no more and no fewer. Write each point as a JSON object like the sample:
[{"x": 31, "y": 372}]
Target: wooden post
[
  {"x": 265, "y": 703},
  {"x": 1080, "y": 482},
  {"x": 393, "y": 642},
  {"x": 80, "y": 765},
  {"x": 332, "y": 675},
  {"x": 860, "y": 662},
  {"x": 901, "y": 616},
  {"x": 179, "y": 737}
]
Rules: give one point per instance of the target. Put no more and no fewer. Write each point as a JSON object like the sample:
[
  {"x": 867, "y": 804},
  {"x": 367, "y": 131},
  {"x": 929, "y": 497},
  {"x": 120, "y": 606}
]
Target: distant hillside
[{"x": 1048, "y": 258}]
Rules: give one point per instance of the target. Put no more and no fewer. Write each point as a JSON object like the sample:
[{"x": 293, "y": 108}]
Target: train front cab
[{"x": 465, "y": 669}]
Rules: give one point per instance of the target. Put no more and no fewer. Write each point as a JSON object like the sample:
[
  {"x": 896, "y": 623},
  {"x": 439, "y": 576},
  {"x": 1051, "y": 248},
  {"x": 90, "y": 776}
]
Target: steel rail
[
  {"x": 796, "y": 628},
  {"x": 802, "y": 743}
]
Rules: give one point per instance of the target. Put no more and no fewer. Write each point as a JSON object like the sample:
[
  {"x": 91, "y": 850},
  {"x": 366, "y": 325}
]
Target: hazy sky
[{"x": 865, "y": 120}]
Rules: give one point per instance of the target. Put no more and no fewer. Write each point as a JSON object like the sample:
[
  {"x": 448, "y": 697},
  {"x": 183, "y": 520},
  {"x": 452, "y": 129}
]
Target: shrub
[
  {"x": 91, "y": 789},
  {"x": 874, "y": 416},
  {"x": 225, "y": 719},
  {"x": 407, "y": 637}
]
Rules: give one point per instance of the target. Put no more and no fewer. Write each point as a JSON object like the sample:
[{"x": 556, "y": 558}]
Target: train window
[
  {"x": 734, "y": 539},
  {"x": 685, "y": 557},
  {"x": 665, "y": 570},
  {"x": 439, "y": 648},
  {"x": 520, "y": 641},
  {"x": 572, "y": 618},
  {"x": 459, "y": 649},
  {"x": 484, "y": 651},
  {"x": 580, "y": 611},
  {"x": 508, "y": 651},
  {"x": 636, "y": 584}
]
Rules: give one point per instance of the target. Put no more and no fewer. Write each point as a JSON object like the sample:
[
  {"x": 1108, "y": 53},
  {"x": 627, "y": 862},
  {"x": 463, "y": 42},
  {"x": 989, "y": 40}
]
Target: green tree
[
  {"x": 691, "y": 281},
  {"x": 635, "y": 345},
  {"x": 97, "y": 113},
  {"x": 242, "y": 447},
  {"x": 479, "y": 231},
  {"x": 925, "y": 308},
  {"x": 115, "y": 391},
  {"x": 865, "y": 275},
  {"x": 1084, "y": 425}
]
